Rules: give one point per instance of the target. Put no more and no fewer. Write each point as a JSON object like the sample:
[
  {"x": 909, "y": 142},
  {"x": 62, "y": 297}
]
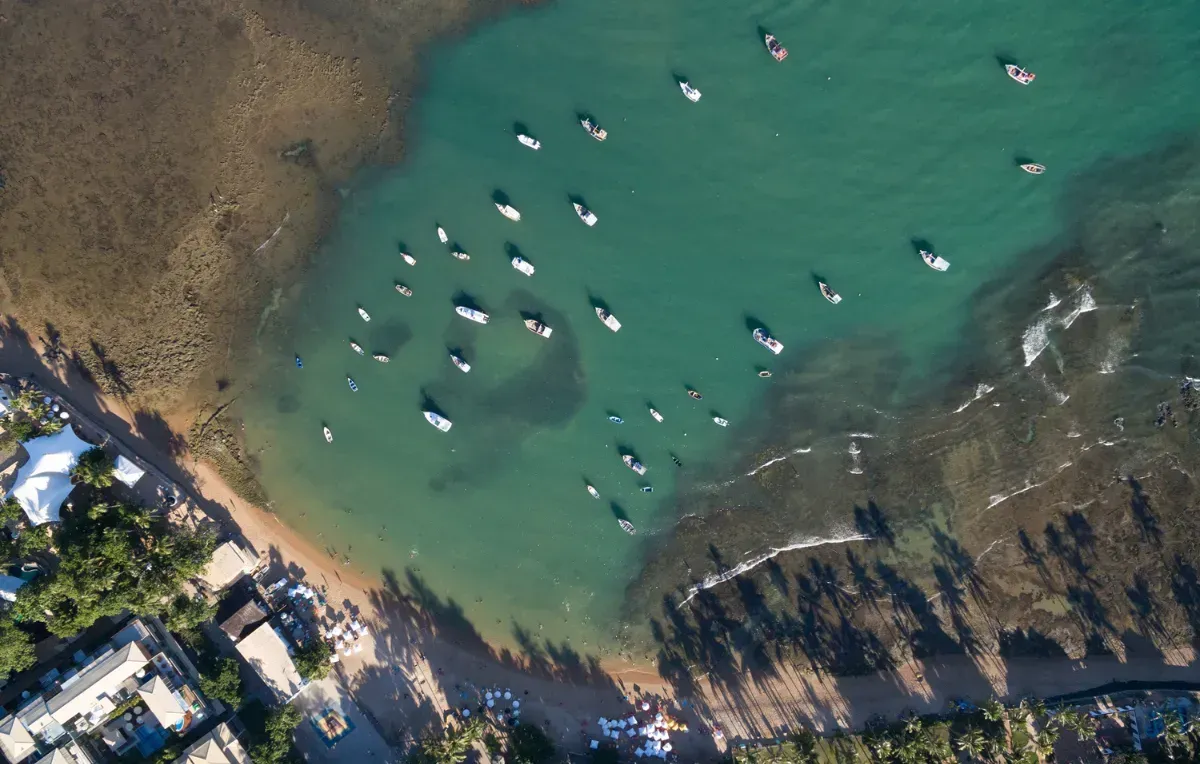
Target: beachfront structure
[
  {"x": 127, "y": 472},
  {"x": 128, "y": 694},
  {"x": 269, "y": 654},
  {"x": 217, "y": 747},
  {"x": 44, "y": 482},
  {"x": 229, "y": 563}
]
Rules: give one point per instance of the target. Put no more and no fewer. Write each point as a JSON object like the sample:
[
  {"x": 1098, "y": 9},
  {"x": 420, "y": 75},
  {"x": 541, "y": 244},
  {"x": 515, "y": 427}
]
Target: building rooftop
[
  {"x": 267, "y": 653},
  {"x": 229, "y": 563},
  {"x": 163, "y": 703},
  {"x": 244, "y": 620},
  {"x": 217, "y": 747},
  {"x": 15, "y": 741},
  {"x": 100, "y": 680}
]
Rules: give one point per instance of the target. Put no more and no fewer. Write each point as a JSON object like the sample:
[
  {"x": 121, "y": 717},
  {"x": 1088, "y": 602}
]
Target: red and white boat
[{"x": 777, "y": 50}]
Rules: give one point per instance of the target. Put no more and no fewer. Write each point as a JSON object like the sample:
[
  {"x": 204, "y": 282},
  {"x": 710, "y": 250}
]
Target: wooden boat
[
  {"x": 695, "y": 395},
  {"x": 478, "y": 316},
  {"x": 627, "y": 527},
  {"x": 592, "y": 490},
  {"x": 460, "y": 255},
  {"x": 608, "y": 319},
  {"x": 438, "y": 421},
  {"x": 328, "y": 435},
  {"x": 442, "y": 237},
  {"x": 933, "y": 261},
  {"x": 764, "y": 374},
  {"x": 828, "y": 293},
  {"x": 593, "y": 129},
  {"x": 509, "y": 211},
  {"x": 1033, "y": 169},
  {"x": 720, "y": 421},
  {"x": 408, "y": 258},
  {"x": 767, "y": 341},
  {"x": 532, "y": 143},
  {"x": 538, "y": 328},
  {"x": 404, "y": 290},
  {"x": 634, "y": 464},
  {"x": 690, "y": 92},
  {"x": 353, "y": 386},
  {"x": 776, "y": 50},
  {"x": 585, "y": 214},
  {"x": 381, "y": 358},
  {"x": 1019, "y": 74},
  {"x": 657, "y": 416},
  {"x": 523, "y": 265},
  {"x": 364, "y": 314},
  {"x": 356, "y": 347},
  {"x": 460, "y": 363}
]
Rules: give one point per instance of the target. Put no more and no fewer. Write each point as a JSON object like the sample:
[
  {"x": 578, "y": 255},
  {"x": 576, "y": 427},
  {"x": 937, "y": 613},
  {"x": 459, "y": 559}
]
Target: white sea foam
[
  {"x": 769, "y": 462},
  {"x": 1054, "y": 302},
  {"x": 713, "y": 579},
  {"x": 1037, "y": 335},
  {"x": 273, "y": 236},
  {"x": 980, "y": 390},
  {"x": 1003, "y": 497}
]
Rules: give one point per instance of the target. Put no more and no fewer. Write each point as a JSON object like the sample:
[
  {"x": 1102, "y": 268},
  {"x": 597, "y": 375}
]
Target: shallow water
[{"x": 884, "y": 125}]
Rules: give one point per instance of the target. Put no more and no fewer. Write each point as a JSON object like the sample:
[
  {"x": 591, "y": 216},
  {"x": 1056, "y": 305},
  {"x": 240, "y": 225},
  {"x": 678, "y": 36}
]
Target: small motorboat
[
  {"x": 828, "y": 293},
  {"x": 585, "y": 214},
  {"x": 657, "y": 416},
  {"x": 593, "y": 129},
  {"x": 532, "y": 143},
  {"x": 692, "y": 94},
  {"x": 438, "y": 421},
  {"x": 933, "y": 261},
  {"x": 460, "y": 363},
  {"x": 478, "y": 316},
  {"x": 509, "y": 211},
  {"x": 408, "y": 258},
  {"x": 608, "y": 319},
  {"x": 647, "y": 489},
  {"x": 627, "y": 527},
  {"x": 299, "y": 363},
  {"x": 1019, "y": 74},
  {"x": 764, "y": 374},
  {"x": 721, "y": 422},
  {"x": 353, "y": 387},
  {"x": 381, "y": 358},
  {"x": 538, "y": 328},
  {"x": 460, "y": 255},
  {"x": 442, "y": 237},
  {"x": 365, "y": 316},
  {"x": 767, "y": 341},
  {"x": 356, "y": 347},
  {"x": 592, "y": 490},
  {"x": 616, "y": 420},
  {"x": 695, "y": 395},
  {"x": 1033, "y": 169},
  {"x": 634, "y": 464},
  {"x": 328, "y": 435},
  {"x": 778, "y": 51},
  {"x": 522, "y": 265},
  {"x": 404, "y": 290}
]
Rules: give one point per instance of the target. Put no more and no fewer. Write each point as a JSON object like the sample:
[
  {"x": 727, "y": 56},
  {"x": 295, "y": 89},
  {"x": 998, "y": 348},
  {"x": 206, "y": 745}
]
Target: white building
[{"x": 269, "y": 655}]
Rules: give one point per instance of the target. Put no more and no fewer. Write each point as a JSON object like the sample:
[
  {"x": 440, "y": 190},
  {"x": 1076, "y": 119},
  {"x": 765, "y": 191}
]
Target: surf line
[
  {"x": 713, "y": 579},
  {"x": 287, "y": 216},
  {"x": 766, "y": 464}
]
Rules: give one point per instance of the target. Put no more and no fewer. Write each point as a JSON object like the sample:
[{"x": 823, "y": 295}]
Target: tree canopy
[
  {"x": 274, "y": 744},
  {"x": 16, "y": 649},
  {"x": 223, "y": 681},
  {"x": 95, "y": 468},
  {"x": 312, "y": 660},
  {"x": 186, "y": 613},
  {"x": 451, "y": 746},
  {"x": 527, "y": 744}
]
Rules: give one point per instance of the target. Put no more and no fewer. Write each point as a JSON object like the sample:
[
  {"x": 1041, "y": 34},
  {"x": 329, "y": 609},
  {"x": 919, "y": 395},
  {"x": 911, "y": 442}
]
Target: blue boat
[
  {"x": 299, "y": 363},
  {"x": 616, "y": 420},
  {"x": 353, "y": 386}
]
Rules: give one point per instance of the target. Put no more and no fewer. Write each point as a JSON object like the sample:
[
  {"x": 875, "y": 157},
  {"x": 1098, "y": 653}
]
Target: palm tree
[
  {"x": 971, "y": 742},
  {"x": 1041, "y": 745},
  {"x": 993, "y": 710},
  {"x": 1081, "y": 724},
  {"x": 95, "y": 468},
  {"x": 1176, "y": 737}
]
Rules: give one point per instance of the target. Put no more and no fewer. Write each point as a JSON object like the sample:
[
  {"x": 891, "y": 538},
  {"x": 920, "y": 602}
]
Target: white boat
[
  {"x": 408, "y": 258},
  {"x": 1019, "y": 74},
  {"x": 353, "y": 386},
  {"x": 593, "y": 129},
  {"x": 442, "y": 237},
  {"x": 522, "y": 265},
  {"x": 1033, "y": 169},
  {"x": 460, "y": 363},
  {"x": 767, "y": 341},
  {"x": 478, "y": 316},
  {"x": 538, "y": 328},
  {"x": 634, "y": 464},
  {"x": 328, "y": 435},
  {"x": 509, "y": 211},
  {"x": 364, "y": 314},
  {"x": 627, "y": 527},
  {"x": 778, "y": 51},
  {"x": 657, "y": 416},
  {"x": 933, "y": 261},
  {"x": 532, "y": 143},
  {"x": 585, "y": 214},
  {"x": 460, "y": 255},
  {"x": 608, "y": 319},
  {"x": 720, "y": 421},
  {"x": 404, "y": 290},
  {"x": 692, "y": 94},
  {"x": 828, "y": 293},
  {"x": 381, "y": 358},
  {"x": 357, "y": 347},
  {"x": 592, "y": 490},
  {"x": 438, "y": 421}
]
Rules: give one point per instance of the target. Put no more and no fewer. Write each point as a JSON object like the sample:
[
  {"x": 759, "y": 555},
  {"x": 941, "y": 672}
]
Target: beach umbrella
[
  {"x": 594, "y": 745},
  {"x": 507, "y": 695},
  {"x": 466, "y": 712},
  {"x": 667, "y": 747},
  {"x": 633, "y": 720},
  {"x": 645, "y": 705},
  {"x": 488, "y": 695},
  {"x": 516, "y": 704},
  {"x": 603, "y": 721},
  {"x": 658, "y": 717}
]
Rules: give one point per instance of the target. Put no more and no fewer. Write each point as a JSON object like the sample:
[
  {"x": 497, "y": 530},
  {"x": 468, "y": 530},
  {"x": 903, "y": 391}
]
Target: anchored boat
[
  {"x": 828, "y": 293},
  {"x": 538, "y": 328},
  {"x": 365, "y": 316},
  {"x": 381, "y": 358},
  {"x": 695, "y": 395},
  {"x": 1019, "y": 74},
  {"x": 593, "y": 129},
  {"x": 438, "y": 421},
  {"x": 767, "y": 341},
  {"x": 404, "y": 290},
  {"x": 720, "y": 421},
  {"x": 585, "y": 214},
  {"x": 299, "y": 363},
  {"x": 933, "y": 261},
  {"x": 460, "y": 363},
  {"x": 627, "y": 527},
  {"x": 657, "y": 416},
  {"x": 616, "y": 419},
  {"x": 328, "y": 435},
  {"x": 1033, "y": 169},
  {"x": 592, "y": 490},
  {"x": 478, "y": 316},
  {"x": 442, "y": 237},
  {"x": 692, "y": 94},
  {"x": 509, "y": 211},
  {"x": 357, "y": 347},
  {"x": 634, "y": 464},
  {"x": 777, "y": 51},
  {"x": 460, "y": 255},
  {"x": 523, "y": 266},
  {"x": 353, "y": 387},
  {"x": 532, "y": 143},
  {"x": 408, "y": 258},
  {"x": 608, "y": 319}
]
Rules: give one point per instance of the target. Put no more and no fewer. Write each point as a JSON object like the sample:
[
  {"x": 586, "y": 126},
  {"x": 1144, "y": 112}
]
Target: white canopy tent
[
  {"x": 44, "y": 482},
  {"x": 127, "y": 472}
]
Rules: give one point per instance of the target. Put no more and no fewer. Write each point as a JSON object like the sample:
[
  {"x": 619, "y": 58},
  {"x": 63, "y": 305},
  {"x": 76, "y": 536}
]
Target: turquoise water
[{"x": 883, "y": 126}]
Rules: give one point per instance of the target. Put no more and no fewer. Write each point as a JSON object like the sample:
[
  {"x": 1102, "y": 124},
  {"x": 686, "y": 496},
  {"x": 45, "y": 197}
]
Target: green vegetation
[
  {"x": 95, "y": 468},
  {"x": 22, "y": 429},
  {"x": 185, "y": 613},
  {"x": 271, "y": 734},
  {"x": 16, "y": 649},
  {"x": 223, "y": 681},
  {"x": 312, "y": 660},
  {"x": 115, "y": 557},
  {"x": 11, "y": 512},
  {"x": 527, "y": 744},
  {"x": 450, "y": 746}
]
